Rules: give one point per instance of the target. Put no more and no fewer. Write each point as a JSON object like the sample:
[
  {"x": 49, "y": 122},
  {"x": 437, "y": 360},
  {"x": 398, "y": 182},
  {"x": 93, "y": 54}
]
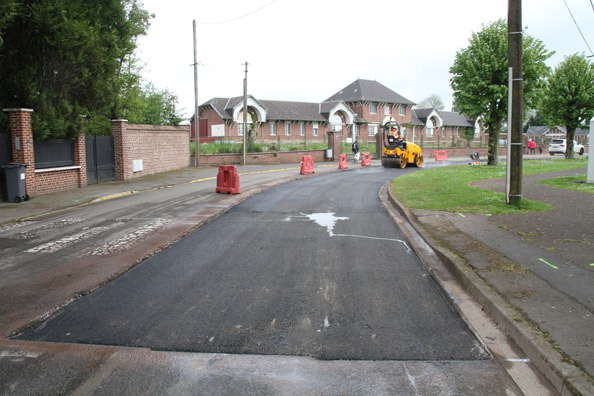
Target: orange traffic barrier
[
  {"x": 228, "y": 180},
  {"x": 343, "y": 162},
  {"x": 441, "y": 155},
  {"x": 307, "y": 165},
  {"x": 365, "y": 159}
]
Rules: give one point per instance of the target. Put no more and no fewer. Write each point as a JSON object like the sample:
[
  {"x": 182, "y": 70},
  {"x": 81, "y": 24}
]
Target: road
[{"x": 313, "y": 268}]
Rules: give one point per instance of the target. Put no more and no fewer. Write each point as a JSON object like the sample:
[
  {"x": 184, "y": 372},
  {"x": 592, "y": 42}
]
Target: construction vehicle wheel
[
  {"x": 402, "y": 162},
  {"x": 419, "y": 161}
]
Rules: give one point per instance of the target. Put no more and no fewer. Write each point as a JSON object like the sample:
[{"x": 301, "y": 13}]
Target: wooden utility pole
[
  {"x": 245, "y": 115},
  {"x": 196, "y": 106},
  {"x": 515, "y": 104}
]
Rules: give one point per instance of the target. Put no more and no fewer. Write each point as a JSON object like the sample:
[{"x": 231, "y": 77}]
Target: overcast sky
[{"x": 307, "y": 50}]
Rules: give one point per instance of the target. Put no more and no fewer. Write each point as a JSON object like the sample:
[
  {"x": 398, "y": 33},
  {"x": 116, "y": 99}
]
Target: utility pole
[
  {"x": 515, "y": 104},
  {"x": 245, "y": 115},
  {"x": 196, "y": 106}
]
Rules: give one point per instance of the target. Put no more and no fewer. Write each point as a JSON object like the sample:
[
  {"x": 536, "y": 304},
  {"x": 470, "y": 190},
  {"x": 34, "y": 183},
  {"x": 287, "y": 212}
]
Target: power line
[
  {"x": 239, "y": 17},
  {"x": 576, "y": 25}
]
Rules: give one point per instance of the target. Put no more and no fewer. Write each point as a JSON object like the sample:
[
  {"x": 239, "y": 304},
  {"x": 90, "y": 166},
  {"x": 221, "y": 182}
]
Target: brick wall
[
  {"x": 44, "y": 181},
  {"x": 161, "y": 148},
  {"x": 47, "y": 182}
]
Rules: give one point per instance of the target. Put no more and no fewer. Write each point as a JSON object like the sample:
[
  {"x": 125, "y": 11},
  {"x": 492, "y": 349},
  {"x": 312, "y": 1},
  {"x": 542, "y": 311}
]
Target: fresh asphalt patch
[{"x": 313, "y": 268}]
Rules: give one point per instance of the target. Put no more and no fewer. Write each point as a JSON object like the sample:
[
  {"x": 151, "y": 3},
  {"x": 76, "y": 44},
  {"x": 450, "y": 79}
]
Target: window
[
  {"x": 372, "y": 130},
  {"x": 302, "y": 129},
  {"x": 287, "y": 128},
  {"x": 373, "y": 108},
  {"x": 273, "y": 129},
  {"x": 402, "y": 110},
  {"x": 387, "y": 110},
  {"x": 240, "y": 129},
  {"x": 316, "y": 131},
  {"x": 429, "y": 132}
]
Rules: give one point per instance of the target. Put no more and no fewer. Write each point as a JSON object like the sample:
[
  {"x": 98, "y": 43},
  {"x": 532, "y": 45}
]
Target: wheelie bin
[{"x": 14, "y": 183}]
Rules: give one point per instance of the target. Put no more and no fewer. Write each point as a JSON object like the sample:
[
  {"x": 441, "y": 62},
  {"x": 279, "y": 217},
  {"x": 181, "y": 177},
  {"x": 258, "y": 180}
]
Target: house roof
[
  {"x": 537, "y": 130},
  {"x": 578, "y": 131},
  {"x": 294, "y": 111},
  {"x": 276, "y": 110},
  {"x": 449, "y": 118},
  {"x": 368, "y": 91},
  {"x": 541, "y": 130}
]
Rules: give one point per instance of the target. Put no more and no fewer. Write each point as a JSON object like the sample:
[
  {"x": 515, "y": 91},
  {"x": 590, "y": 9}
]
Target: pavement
[{"x": 531, "y": 273}]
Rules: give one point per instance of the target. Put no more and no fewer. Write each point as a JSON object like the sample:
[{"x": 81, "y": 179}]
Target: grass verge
[
  {"x": 577, "y": 183},
  {"x": 449, "y": 188}
]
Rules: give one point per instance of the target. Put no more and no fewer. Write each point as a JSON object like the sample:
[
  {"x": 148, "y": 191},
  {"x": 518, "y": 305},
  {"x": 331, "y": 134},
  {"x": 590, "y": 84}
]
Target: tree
[
  {"x": 434, "y": 101},
  {"x": 468, "y": 134},
  {"x": 63, "y": 58},
  {"x": 569, "y": 99},
  {"x": 480, "y": 78},
  {"x": 145, "y": 104}
]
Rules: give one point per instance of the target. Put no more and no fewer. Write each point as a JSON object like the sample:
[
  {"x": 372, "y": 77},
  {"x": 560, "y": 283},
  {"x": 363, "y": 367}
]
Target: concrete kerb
[{"x": 566, "y": 378}]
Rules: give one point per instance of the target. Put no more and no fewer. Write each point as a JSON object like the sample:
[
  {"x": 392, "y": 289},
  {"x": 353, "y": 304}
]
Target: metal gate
[
  {"x": 100, "y": 159},
  {"x": 5, "y": 158}
]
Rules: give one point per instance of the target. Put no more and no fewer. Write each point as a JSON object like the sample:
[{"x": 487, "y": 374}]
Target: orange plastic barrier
[
  {"x": 365, "y": 159},
  {"x": 343, "y": 162},
  {"x": 441, "y": 155},
  {"x": 228, "y": 180},
  {"x": 307, "y": 165}
]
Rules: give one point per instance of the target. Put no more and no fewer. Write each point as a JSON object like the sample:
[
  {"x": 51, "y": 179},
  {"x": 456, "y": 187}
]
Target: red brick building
[{"x": 359, "y": 110}]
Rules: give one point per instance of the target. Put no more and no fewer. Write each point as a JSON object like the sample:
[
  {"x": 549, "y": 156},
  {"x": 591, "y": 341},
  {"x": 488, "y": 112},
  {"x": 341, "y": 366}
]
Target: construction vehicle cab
[{"x": 397, "y": 152}]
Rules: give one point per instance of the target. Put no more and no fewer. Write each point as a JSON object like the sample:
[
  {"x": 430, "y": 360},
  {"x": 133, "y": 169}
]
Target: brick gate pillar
[
  {"x": 80, "y": 155},
  {"x": 120, "y": 149},
  {"x": 335, "y": 143},
  {"x": 21, "y": 136}
]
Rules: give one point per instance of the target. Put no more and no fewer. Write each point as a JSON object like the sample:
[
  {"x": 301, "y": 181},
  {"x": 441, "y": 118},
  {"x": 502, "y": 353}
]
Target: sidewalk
[
  {"x": 56, "y": 201},
  {"x": 533, "y": 273}
]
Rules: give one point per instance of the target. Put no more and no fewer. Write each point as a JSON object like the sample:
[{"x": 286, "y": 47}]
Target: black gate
[
  {"x": 5, "y": 157},
  {"x": 5, "y": 149},
  {"x": 100, "y": 159}
]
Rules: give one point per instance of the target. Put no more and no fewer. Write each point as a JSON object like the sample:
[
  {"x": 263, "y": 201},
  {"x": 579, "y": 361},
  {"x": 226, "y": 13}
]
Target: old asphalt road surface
[{"x": 295, "y": 272}]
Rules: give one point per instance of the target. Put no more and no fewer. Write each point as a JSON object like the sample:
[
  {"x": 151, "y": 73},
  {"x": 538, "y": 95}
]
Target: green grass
[
  {"x": 449, "y": 188},
  {"x": 577, "y": 183}
]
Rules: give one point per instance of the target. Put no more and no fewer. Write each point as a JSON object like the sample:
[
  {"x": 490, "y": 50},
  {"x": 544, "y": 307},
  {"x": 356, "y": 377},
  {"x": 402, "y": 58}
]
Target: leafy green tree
[
  {"x": 468, "y": 134},
  {"x": 569, "y": 99},
  {"x": 145, "y": 104},
  {"x": 480, "y": 78},
  {"x": 433, "y": 101},
  {"x": 63, "y": 58}
]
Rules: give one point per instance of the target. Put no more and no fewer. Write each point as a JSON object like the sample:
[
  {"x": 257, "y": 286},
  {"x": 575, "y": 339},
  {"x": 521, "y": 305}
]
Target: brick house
[
  {"x": 545, "y": 134},
  {"x": 359, "y": 110}
]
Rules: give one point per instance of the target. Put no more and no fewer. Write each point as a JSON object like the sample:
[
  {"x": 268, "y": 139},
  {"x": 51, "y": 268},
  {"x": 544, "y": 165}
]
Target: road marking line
[
  {"x": 518, "y": 360},
  {"x": 18, "y": 354},
  {"x": 127, "y": 241},
  {"x": 549, "y": 264},
  {"x": 59, "y": 244}
]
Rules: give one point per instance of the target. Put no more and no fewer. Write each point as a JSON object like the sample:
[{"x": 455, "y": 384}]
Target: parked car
[{"x": 559, "y": 146}]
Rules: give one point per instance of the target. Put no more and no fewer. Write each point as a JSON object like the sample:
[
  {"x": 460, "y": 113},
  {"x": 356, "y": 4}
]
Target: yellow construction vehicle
[{"x": 397, "y": 152}]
